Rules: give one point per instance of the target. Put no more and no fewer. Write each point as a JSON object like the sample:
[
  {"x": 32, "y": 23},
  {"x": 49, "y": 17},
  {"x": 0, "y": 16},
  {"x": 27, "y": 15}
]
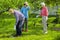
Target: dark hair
[{"x": 24, "y": 4}]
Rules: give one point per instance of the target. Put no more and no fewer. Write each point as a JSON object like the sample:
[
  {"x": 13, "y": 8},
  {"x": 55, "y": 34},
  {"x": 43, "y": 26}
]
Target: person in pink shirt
[{"x": 44, "y": 14}]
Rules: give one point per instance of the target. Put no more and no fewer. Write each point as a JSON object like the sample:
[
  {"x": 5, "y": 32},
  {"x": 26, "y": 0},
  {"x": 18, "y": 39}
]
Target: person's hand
[
  {"x": 37, "y": 16},
  {"x": 40, "y": 14}
]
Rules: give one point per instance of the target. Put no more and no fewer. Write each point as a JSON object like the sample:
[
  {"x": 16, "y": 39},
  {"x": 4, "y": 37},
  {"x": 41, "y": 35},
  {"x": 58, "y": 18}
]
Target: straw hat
[{"x": 26, "y": 3}]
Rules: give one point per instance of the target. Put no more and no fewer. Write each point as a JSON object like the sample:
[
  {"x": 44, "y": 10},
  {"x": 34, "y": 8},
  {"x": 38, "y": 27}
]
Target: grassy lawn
[{"x": 34, "y": 32}]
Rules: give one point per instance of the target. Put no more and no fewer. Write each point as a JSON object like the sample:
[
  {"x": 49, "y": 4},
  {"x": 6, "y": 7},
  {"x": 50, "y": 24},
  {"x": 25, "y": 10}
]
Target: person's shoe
[
  {"x": 16, "y": 35},
  {"x": 23, "y": 30},
  {"x": 26, "y": 30},
  {"x": 45, "y": 32}
]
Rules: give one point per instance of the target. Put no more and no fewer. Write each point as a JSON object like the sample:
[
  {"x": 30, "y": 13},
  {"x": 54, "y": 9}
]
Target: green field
[{"x": 34, "y": 32}]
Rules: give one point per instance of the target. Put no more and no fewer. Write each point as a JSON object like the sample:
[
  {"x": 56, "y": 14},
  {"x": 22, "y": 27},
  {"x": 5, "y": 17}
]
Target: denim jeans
[
  {"x": 19, "y": 27},
  {"x": 25, "y": 24}
]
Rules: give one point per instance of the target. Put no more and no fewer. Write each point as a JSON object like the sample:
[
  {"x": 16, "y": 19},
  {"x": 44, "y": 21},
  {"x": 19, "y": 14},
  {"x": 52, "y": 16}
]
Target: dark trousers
[
  {"x": 25, "y": 24},
  {"x": 19, "y": 28}
]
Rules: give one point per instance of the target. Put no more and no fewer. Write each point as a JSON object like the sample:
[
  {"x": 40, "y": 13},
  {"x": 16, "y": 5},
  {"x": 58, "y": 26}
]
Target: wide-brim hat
[{"x": 26, "y": 3}]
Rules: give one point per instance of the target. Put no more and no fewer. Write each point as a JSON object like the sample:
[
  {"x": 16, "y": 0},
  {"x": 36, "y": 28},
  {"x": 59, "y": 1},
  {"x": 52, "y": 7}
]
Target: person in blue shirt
[{"x": 25, "y": 10}]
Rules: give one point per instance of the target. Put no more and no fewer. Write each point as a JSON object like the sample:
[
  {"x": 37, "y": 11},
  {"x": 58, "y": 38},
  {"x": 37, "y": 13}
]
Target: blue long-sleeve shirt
[{"x": 25, "y": 10}]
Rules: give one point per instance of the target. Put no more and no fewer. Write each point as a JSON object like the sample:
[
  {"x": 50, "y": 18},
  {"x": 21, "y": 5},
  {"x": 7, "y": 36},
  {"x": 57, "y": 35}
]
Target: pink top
[{"x": 44, "y": 11}]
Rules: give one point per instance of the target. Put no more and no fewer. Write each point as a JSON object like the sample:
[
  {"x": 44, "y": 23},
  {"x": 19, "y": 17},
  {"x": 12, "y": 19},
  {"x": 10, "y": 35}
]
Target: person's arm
[
  {"x": 22, "y": 22},
  {"x": 40, "y": 13},
  {"x": 28, "y": 8},
  {"x": 46, "y": 10},
  {"x": 17, "y": 18}
]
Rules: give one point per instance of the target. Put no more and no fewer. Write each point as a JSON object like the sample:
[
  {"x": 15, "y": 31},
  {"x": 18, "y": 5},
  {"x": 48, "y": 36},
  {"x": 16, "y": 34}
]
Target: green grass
[{"x": 34, "y": 32}]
